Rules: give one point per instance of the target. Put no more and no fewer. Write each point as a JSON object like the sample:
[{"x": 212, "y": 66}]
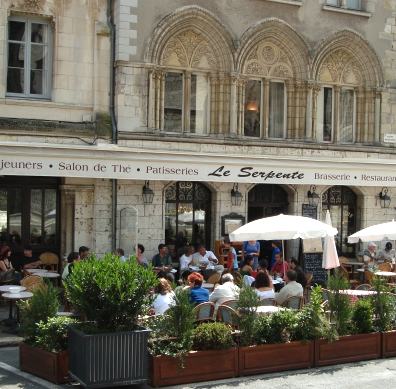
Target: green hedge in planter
[
  {"x": 212, "y": 336},
  {"x": 384, "y": 306},
  {"x": 362, "y": 316},
  {"x": 110, "y": 293}
]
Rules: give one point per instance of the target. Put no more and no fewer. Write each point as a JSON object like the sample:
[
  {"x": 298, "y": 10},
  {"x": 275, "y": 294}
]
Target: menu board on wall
[{"x": 310, "y": 211}]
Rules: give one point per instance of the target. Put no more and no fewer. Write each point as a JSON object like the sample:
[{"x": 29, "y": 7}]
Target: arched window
[
  {"x": 266, "y": 200},
  {"x": 342, "y": 204},
  {"x": 187, "y": 214}
]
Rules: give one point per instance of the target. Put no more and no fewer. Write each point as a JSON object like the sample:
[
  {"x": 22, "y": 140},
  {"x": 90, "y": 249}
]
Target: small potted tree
[
  {"x": 109, "y": 348},
  {"x": 350, "y": 346},
  {"x": 178, "y": 345},
  {"x": 43, "y": 351}
]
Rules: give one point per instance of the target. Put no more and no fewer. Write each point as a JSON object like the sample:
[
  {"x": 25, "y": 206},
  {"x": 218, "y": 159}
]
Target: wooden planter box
[
  {"x": 269, "y": 358},
  {"x": 51, "y": 366},
  {"x": 198, "y": 366},
  {"x": 349, "y": 348},
  {"x": 389, "y": 344}
]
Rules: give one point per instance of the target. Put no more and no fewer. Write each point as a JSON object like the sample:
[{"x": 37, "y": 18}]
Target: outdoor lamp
[
  {"x": 385, "y": 199},
  {"x": 236, "y": 196},
  {"x": 148, "y": 194},
  {"x": 252, "y": 106},
  {"x": 313, "y": 197}
]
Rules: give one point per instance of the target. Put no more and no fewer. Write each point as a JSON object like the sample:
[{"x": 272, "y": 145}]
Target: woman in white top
[
  {"x": 186, "y": 258},
  {"x": 263, "y": 285},
  {"x": 164, "y": 298}
]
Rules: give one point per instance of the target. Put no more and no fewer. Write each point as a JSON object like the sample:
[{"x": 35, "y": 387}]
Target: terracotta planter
[
  {"x": 389, "y": 344},
  {"x": 198, "y": 366},
  {"x": 51, "y": 366},
  {"x": 348, "y": 349},
  {"x": 269, "y": 358}
]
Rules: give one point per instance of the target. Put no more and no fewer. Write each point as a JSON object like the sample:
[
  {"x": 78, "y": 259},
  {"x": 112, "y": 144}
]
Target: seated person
[
  {"x": 387, "y": 254},
  {"x": 247, "y": 268},
  {"x": 83, "y": 252},
  {"x": 232, "y": 257},
  {"x": 162, "y": 262},
  {"x": 71, "y": 259},
  {"x": 252, "y": 247},
  {"x": 7, "y": 272},
  {"x": 183, "y": 281},
  {"x": 292, "y": 288},
  {"x": 301, "y": 279},
  {"x": 164, "y": 297},
  {"x": 226, "y": 291},
  {"x": 198, "y": 294},
  {"x": 263, "y": 285},
  {"x": 28, "y": 260},
  {"x": 280, "y": 267},
  {"x": 370, "y": 255},
  {"x": 140, "y": 258},
  {"x": 186, "y": 258},
  {"x": 120, "y": 254},
  {"x": 207, "y": 261}
]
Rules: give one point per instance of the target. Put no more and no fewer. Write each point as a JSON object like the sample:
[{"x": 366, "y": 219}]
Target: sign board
[
  {"x": 390, "y": 138},
  {"x": 312, "y": 245},
  {"x": 310, "y": 211},
  {"x": 313, "y": 264},
  {"x": 133, "y": 164}
]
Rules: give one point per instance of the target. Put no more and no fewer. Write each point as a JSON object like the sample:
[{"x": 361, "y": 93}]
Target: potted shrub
[
  {"x": 178, "y": 347},
  {"x": 110, "y": 348},
  {"x": 350, "y": 345},
  {"x": 43, "y": 352},
  {"x": 282, "y": 341},
  {"x": 385, "y": 316}
]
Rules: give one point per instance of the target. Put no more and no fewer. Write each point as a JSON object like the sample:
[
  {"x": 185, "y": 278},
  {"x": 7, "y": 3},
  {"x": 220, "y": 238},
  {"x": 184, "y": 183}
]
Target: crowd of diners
[{"x": 195, "y": 267}]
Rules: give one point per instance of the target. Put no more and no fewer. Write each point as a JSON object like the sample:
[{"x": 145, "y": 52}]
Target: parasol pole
[{"x": 283, "y": 257}]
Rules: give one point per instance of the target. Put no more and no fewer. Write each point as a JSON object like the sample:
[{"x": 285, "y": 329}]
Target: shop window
[
  {"x": 252, "y": 108},
  {"x": 187, "y": 215},
  {"x": 29, "y": 58},
  {"x": 186, "y": 103},
  {"x": 325, "y": 115},
  {"x": 277, "y": 105},
  {"x": 342, "y": 204},
  {"x": 347, "y": 115},
  {"x": 348, "y": 4},
  {"x": 29, "y": 214}
]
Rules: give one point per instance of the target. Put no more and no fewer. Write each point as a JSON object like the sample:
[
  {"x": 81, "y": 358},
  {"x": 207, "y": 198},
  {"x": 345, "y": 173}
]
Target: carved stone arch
[
  {"x": 273, "y": 48},
  {"x": 191, "y": 37},
  {"x": 347, "y": 58}
]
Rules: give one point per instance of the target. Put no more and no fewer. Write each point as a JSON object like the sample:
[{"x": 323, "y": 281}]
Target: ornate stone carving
[
  {"x": 267, "y": 59},
  {"x": 189, "y": 49},
  {"x": 340, "y": 67},
  {"x": 31, "y": 5}
]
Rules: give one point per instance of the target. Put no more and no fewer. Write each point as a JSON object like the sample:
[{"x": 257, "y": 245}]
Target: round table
[
  {"x": 358, "y": 293},
  {"x": 37, "y": 271},
  {"x": 385, "y": 274},
  {"x": 6, "y": 288},
  {"x": 15, "y": 297},
  {"x": 49, "y": 275},
  {"x": 268, "y": 309}
]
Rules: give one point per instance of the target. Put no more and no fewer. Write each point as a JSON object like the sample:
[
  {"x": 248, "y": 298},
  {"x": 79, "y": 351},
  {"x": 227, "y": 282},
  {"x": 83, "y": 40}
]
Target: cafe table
[
  {"x": 358, "y": 292},
  {"x": 12, "y": 297},
  {"x": 268, "y": 309},
  {"x": 6, "y": 289},
  {"x": 385, "y": 274}
]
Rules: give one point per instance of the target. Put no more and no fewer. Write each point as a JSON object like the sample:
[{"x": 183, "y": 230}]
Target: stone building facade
[{"x": 273, "y": 85}]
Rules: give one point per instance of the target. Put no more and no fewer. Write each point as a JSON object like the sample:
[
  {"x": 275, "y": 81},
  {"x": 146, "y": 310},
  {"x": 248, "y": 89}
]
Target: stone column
[
  {"x": 264, "y": 106},
  {"x": 220, "y": 105},
  {"x": 290, "y": 127},
  {"x": 360, "y": 98},
  {"x": 315, "y": 93},
  {"x": 186, "y": 124},
  {"x": 213, "y": 103},
  {"x": 377, "y": 116},
  {"x": 233, "y": 106},
  {"x": 308, "y": 112}
]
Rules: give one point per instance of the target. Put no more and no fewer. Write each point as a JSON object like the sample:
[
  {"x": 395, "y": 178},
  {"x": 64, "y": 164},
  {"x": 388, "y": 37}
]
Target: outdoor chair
[
  {"x": 368, "y": 276},
  {"x": 214, "y": 279},
  {"x": 294, "y": 302},
  {"x": 49, "y": 261},
  {"x": 344, "y": 273},
  {"x": 364, "y": 287},
  {"x": 231, "y": 303},
  {"x": 32, "y": 282},
  {"x": 385, "y": 266},
  {"x": 204, "y": 312},
  {"x": 228, "y": 316},
  {"x": 266, "y": 302}
]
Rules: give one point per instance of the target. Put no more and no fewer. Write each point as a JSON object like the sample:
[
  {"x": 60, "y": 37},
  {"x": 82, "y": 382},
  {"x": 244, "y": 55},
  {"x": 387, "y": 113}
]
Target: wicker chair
[
  {"x": 214, "y": 278},
  {"x": 204, "y": 312},
  {"x": 228, "y": 316},
  {"x": 32, "y": 282},
  {"x": 386, "y": 266},
  {"x": 364, "y": 287},
  {"x": 266, "y": 302},
  {"x": 231, "y": 303},
  {"x": 50, "y": 261}
]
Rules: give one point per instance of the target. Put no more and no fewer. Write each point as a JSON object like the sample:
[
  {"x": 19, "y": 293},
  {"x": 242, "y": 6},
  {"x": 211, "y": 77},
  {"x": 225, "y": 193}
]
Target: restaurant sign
[{"x": 183, "y": 167}]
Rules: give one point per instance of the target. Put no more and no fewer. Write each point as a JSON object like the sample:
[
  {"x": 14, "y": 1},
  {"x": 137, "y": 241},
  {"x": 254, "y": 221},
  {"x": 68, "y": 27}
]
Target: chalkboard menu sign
[
  {"x": 310, "y": 211},
  {"x": 313, "y": 264}
]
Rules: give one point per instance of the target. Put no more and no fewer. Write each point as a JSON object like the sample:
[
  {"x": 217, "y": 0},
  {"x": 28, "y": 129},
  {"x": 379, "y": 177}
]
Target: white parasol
[
  {"x": 330, "y": 256},
  {"x": 383, "y": 231}
]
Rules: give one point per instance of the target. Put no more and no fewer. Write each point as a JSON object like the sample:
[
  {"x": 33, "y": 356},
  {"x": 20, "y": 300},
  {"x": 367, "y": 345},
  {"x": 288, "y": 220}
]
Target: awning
[{"x": 113, "y": 161}]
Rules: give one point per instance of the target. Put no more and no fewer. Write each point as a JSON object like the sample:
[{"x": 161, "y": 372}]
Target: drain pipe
[{"x": 114, "y": 131}]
